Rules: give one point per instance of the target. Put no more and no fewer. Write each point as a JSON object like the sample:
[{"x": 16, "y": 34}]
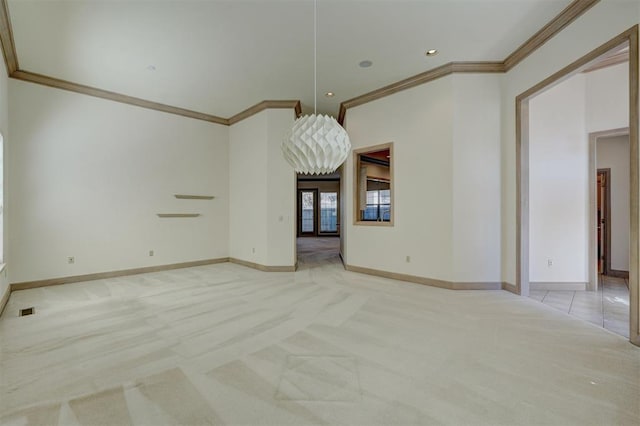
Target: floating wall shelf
[
  {"x": 178, "y": 214},
  {"x": 194, "y": 197}
]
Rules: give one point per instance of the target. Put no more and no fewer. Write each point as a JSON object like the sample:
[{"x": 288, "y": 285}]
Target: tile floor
[
  {"x": 224, "y": 344},
  {"x": 608, "y": 307}
]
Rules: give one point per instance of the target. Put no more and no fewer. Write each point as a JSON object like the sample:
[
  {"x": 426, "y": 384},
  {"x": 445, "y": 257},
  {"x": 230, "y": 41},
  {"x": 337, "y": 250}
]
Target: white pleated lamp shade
[{"x": 316, "y": 144}]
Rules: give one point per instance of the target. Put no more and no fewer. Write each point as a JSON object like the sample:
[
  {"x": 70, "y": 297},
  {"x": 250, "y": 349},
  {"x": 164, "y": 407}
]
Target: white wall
[
  {"x": 558, "y": 183},
  {"x": 281, "y": 192},
  {"x": 262, "y": 188},
  {"x": 613, "y": 153},
  {"x": 420, "y": 123},
  {"x": 248, "y": 189},
  {"x": 608, "y": 98},
  {"x": 476, "y": 178},
  {"x": 446, "y": 180},
  {"x": 582, "y": 36},
  {"x": 4, "y": 191},
  {"x": 89, "y": 175}
]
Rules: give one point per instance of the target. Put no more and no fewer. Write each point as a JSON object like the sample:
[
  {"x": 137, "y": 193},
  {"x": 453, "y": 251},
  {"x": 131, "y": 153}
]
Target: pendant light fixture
[{"x": 316, "y": 144}]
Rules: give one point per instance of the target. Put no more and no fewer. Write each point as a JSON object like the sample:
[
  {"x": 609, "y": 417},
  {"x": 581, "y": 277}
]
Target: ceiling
[{"x": 221, "y": 57}]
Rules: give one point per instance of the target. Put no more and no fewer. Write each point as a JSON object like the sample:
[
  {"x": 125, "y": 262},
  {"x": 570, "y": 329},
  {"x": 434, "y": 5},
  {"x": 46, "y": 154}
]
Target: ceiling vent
[{"x": 27, "y": 311}]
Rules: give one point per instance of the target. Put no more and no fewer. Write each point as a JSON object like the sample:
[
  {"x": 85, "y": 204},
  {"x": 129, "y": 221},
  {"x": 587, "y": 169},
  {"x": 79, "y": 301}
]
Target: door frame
[
  {"x": 326, "y": 185},
  {"x": 607, "y": 221},
  {"x": 629, "y": 37},
  {"x": 593, "y": 208}
]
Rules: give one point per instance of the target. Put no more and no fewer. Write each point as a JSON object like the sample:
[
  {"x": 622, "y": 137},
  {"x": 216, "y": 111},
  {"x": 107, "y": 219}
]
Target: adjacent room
[
  {"x": 318, "y": 219},
  {"x": 301, "y": 212},
  {"x": 579, "y": 193}
]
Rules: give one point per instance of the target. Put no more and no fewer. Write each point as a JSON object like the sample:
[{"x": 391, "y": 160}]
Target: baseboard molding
[
  {"x": 113, "y": 274},
  {"x": 5, "y": 299},
  {"x": 564, "y": 286},
  {"x": 618, "y": 274},
  {"x": 511, "y": 288},
  {"x": 449, "y": 285},
  {"x": 263, "y": 268}
]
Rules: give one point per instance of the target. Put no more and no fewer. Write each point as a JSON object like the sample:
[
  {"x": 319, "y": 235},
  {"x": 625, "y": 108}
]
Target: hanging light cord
[{"x": 315, "y": 55}]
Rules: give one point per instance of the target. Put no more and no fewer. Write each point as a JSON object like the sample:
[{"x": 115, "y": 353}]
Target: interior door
[
  {"x": 602, "y": 197},
  {"x": 307, "y": 212}
]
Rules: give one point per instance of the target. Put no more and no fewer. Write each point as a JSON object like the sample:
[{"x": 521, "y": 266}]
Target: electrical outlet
[
  {"x": 549, "y": 263},
  {"x": 408, "y": 259},
  {"x": 253, "y": 250},
  {"x": 151, "y": 253},
  {"x": 71, "y": 260}
]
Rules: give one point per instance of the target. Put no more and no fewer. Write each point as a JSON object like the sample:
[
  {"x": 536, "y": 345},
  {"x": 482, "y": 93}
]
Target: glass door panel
[
  {"x": 307, "y": 201},
  {"x": 329, "y": 212}
]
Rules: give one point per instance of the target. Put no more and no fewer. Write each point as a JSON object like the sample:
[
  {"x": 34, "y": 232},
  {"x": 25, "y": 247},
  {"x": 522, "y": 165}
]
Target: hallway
[{"x": 318, "y": 252}]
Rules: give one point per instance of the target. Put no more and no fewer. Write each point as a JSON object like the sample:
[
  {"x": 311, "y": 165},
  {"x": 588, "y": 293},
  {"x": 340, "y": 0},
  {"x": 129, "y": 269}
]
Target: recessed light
[
  {"x": 431, "y": 52},
  {"x": 365, "y": 64},
  {"x": 329, "y": 94},
  {"x": 151, "y": 67}
]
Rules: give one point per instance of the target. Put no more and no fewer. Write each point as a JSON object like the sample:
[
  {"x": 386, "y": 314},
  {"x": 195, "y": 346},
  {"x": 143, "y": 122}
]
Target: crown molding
[
  {"x": 419, "y": 79},
  {"x": 112, "y": 96},
  {"x": 261, "y": 106},
  {"x": 14, "y": 71},
  {"x": 557, "y": 24},
  {"x": 6, "y": 39},
  {"x": 130, "y": 100},
  {"x": 477, "y": 67},
  {"x": 615, "y": 42}
]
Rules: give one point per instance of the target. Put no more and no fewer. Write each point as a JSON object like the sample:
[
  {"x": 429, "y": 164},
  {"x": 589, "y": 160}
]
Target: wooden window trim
[{"x": 356, "y": 183}]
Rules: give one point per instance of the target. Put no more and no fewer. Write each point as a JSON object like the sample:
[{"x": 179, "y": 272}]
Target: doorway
[
  {"x": 318, "y": 206},
  {"x": 318, "y": 220},
  {"x": 609, "y": 205},
  {"x": 629, "y": 41}
]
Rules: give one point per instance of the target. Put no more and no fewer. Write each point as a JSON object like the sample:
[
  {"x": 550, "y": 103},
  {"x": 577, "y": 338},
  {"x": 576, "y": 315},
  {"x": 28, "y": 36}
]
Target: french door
[
  {"x": 317, "y": 213},
  {"x": 307, "y": 212}
]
